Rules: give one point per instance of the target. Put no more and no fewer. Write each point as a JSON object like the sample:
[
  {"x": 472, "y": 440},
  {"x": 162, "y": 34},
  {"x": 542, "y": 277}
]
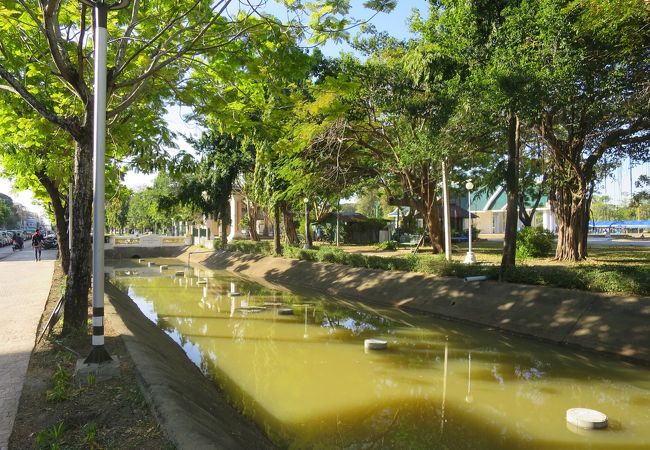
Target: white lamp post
[
  {"x": 307, "y": 245},
  {"x": 469, "y": 257},
  {"x": 98, "y": 353}
]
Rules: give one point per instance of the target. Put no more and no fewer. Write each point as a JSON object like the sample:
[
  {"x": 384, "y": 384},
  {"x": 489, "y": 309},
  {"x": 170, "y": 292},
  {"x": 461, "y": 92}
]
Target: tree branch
[
  {"x": 68, "y": 125},
  {"x": 121, "y": 48},
  {"x": 618, "y": 137},
  {"x": 59, "y": 53}
]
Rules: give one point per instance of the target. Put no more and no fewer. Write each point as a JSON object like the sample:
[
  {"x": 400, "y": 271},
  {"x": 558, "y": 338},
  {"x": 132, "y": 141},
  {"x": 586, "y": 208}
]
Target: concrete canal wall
[
  {"x": 193, "y": 412},
  {"x": 618, "y": 325}
]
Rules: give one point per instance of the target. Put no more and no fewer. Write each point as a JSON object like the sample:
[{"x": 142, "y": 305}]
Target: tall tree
[
  {"x": 209, "y": 186},
  {"x": 383, "y": 123},
  {"x": 44, "y": 60},
  {"x": 591, "y": 63}
]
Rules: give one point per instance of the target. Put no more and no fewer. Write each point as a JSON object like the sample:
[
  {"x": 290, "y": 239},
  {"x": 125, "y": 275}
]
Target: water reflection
[
  {"x": 469, "y": 398},
  {"x": 444, "y": 390},
  {"x": 306, "y": 379}
]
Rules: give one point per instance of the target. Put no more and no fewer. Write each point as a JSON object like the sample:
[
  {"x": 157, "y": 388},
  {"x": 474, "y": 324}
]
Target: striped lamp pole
[{"x": 99, "y": 354}]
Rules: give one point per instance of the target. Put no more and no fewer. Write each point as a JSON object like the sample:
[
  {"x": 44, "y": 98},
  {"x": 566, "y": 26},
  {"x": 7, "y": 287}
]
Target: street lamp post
[
  {"x": 469, "y": 257},
  {"x": 98, "y": 354},
  {"x": 307, "y": 245}
]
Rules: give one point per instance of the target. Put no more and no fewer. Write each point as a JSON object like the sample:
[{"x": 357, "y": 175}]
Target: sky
[{"x": 396, "y": 23}]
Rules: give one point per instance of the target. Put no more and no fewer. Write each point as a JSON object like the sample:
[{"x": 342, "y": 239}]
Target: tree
[
  {"x": 251, "y": 93},
  {"x": 381, "y": 122},
  {"x": 491, "y": 81},
  {"x": 117, "y": 208},
  {"x": 370, "y": 203},
  {"x": 44, "y": 59},
  {"x": 592, "y": 60},
  {"x": 209, "y": 184},
  {"x": 35, "y": 154},
  {"x": 5, "y": 212}
]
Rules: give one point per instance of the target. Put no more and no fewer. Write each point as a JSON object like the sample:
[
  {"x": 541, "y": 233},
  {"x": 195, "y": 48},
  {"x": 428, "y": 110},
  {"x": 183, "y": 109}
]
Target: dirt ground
[{"x": 56, "y": 413}]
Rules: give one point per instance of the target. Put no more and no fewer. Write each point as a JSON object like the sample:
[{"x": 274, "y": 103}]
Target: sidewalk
[{"x": 24, "y": 287}]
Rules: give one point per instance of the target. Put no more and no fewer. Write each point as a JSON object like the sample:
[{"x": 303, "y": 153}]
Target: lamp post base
[
  {"x": 469, "y": 258},
  {"x": 88, "y": 373}
]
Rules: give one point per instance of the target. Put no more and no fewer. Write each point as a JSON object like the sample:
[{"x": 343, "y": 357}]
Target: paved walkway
[{"x": 24, "y": 287}]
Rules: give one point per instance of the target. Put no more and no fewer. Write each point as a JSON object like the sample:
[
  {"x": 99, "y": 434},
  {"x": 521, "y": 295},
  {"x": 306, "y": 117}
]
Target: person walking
[{"x": 37, "y": 244}]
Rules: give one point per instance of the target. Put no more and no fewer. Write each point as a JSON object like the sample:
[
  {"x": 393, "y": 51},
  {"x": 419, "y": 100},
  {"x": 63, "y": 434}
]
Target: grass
[{"x": 613, "y": 269}]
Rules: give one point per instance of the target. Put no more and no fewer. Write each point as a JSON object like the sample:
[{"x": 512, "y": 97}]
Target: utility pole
[{"x": 98, "y": 354}]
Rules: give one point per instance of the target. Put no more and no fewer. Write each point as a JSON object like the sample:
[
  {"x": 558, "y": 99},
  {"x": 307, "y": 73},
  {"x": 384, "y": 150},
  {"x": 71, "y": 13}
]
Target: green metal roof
[{"x": 497, "y": 203}]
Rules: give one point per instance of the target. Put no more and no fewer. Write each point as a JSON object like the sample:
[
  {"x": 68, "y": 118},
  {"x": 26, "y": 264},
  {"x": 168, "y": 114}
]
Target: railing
[{"x": 147, "y": 240}]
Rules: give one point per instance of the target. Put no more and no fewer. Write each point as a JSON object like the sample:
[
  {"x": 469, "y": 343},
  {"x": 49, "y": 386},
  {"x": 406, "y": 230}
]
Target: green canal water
[{"x": 306, "y": 380}]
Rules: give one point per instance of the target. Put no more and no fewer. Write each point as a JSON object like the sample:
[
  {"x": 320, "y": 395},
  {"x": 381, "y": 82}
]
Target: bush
[
  {"x": 327, "y": 253},
  {"x": 534, "y": 242},
  {"x": 291, "y": 251},
  {"x": 259, "y": 248},
  {"x": 387, "y": 245}
]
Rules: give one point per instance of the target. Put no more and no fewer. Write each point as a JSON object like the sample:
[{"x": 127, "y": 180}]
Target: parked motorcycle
[{"x": 17, "y": 243}]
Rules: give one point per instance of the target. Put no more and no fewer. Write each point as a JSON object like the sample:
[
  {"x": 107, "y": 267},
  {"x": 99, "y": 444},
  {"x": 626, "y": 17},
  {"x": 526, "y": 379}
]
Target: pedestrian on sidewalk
[{"x": 37, "y": 244}]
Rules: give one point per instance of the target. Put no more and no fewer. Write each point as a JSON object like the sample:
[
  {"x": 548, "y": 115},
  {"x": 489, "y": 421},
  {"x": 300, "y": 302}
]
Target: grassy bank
[{"x": 612, "y": 269}]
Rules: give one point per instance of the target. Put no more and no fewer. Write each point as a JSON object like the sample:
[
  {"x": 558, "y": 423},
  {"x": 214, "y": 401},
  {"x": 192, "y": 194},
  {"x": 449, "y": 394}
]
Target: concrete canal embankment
[
  {"x": 193, "y": 412},
  {"x": 618, "y": 325}
]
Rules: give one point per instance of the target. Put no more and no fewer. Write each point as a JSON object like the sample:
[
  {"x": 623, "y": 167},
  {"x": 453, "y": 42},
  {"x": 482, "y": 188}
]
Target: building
[{"x": 490, "y": 212}]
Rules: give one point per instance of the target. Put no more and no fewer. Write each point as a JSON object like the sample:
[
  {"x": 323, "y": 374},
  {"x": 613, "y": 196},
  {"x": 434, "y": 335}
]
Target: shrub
[
  {"x": 387, "y": 245},
  {"x": 327, "y": 253},
  {"x": 291, "y": 251},
  {"x": 534, "y": 242},
  {"x": 243, "y": 246}
]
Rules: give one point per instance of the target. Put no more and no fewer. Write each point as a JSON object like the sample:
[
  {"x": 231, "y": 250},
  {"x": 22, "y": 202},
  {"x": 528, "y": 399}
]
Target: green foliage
[
  {"x": 51, "y": 438},
  {"x": 243, "y": 246},
  {"x": 387, "y": 245},
  {"x": 534, "y": 242},
  {"x": 61, "y": 383},
  {"x": 91, "y": 379},
  {"x": 607, "y": 278},
  {"x": 90, "y": 435},
  {"x": 5, "y": 212},
  {"x": 117, "y": 209}
]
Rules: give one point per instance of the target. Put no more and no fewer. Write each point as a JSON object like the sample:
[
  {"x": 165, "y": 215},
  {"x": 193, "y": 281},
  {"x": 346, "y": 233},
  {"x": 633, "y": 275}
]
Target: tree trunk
[
  {"x": 512, "y": 189},
  {"x": 277, "y": 247},
  {"x": 525, "y": 217},
  {"x": 79, "y": 275},
  {"x": 59, "y": 217},
  {"x": 251, "y": 209},
  {"x": 224, "y": 216},
  {"x": 571, "y": 209},
  {"x": 422, "y": 198},
  {"x": 432, "y": 224},
  {"x": 308, "y": 240},
  {"x": 290, "y": 233}
]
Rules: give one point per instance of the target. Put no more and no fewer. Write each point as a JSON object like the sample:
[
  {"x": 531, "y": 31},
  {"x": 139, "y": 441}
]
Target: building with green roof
[{"x": 490, "y": 207}]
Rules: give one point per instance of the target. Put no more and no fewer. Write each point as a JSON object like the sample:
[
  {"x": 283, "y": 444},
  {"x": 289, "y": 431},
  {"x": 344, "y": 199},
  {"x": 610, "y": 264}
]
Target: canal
[{"x": 295, "y": 364}]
